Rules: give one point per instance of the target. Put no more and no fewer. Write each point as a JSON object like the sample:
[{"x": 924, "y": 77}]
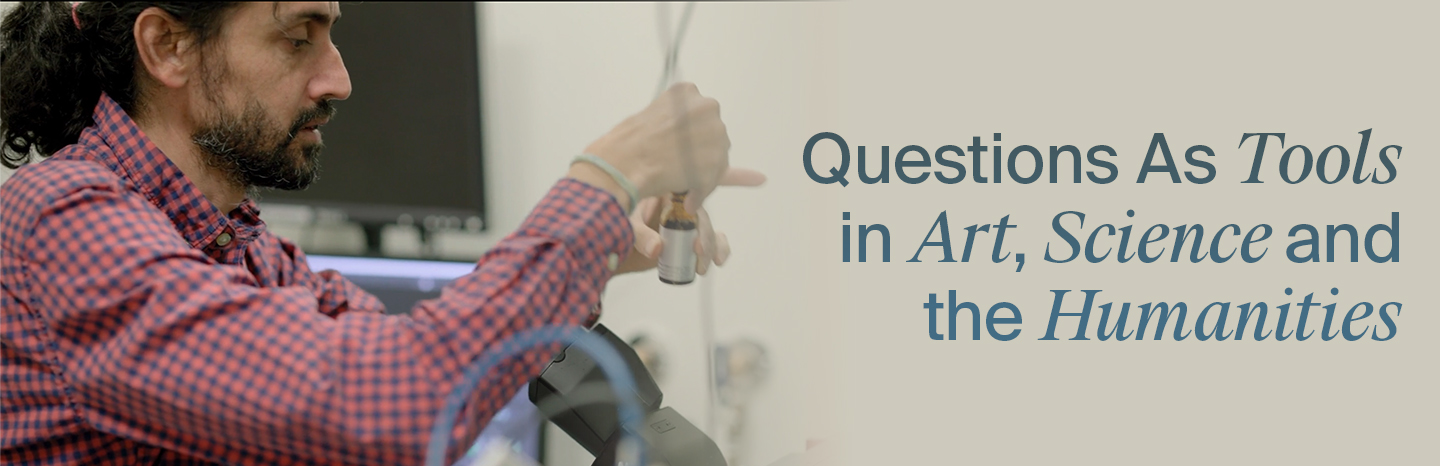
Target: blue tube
[{"x": 606, "y": 357}]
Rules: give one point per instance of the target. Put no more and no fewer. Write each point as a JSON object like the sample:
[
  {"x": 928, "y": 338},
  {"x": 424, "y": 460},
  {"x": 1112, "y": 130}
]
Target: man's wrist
[{"x": 597, "y": 177}]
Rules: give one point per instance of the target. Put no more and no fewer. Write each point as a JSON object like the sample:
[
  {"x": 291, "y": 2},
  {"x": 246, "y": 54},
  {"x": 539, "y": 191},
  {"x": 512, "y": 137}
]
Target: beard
[{"x": 254, "y": 153}]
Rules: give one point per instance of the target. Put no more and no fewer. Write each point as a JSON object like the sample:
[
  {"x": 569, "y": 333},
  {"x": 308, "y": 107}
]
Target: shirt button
[
  {"x": 614, "y": 261},
  {"x": 223, "y": 240}
]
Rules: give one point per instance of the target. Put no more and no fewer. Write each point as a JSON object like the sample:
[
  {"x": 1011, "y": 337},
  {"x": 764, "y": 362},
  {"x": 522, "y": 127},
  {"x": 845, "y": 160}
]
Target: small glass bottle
[{"x": 677, "y": 228}]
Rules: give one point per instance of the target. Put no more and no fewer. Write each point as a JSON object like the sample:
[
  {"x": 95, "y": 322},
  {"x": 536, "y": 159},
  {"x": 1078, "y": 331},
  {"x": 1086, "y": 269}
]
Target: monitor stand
[{"x": 375, "y": 234}]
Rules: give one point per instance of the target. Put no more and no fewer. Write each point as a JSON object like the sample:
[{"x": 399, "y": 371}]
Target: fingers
[
  {"x": 647, "y": 211},
  {"x": 707, "y": 247},
  {"x": 734, "y": 176},
  {"x": 710, "y": 246},
  {"x": 647, "y": 240},
  {"x": 684, "y": 88},
  {"x": 695, "y": 199},
  {"x": 651, "y": 212},
  {"x": 722, "y": 249},
  {"x": 742, "y": 177}
]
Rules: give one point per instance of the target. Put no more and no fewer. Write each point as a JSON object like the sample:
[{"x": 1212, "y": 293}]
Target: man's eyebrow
[{"x": 321, "y": 17}]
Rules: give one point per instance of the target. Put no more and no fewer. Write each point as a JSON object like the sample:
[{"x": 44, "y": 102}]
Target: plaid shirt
[{"x": 143, "y": 325}]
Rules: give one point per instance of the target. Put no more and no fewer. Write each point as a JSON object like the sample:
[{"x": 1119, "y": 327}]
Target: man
[{"x": 148, "y": 316}]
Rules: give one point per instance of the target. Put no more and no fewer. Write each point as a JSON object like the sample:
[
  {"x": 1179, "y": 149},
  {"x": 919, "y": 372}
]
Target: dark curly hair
[{"x": 52, "y": 72}]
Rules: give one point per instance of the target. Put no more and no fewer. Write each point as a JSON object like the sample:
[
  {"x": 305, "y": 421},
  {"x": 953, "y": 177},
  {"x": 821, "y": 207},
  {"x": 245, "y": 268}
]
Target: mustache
[{"x": 324, "y": 109}]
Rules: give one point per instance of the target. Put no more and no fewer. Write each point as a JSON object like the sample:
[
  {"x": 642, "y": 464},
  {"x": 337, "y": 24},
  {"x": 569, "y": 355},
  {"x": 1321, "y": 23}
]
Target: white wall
[{"x": 557, "y": 76}]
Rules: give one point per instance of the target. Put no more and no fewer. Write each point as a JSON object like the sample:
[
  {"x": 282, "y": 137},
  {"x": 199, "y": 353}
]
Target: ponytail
[
  {"x": 56, "y": 59},
  {"x": 46, "y": 90}
]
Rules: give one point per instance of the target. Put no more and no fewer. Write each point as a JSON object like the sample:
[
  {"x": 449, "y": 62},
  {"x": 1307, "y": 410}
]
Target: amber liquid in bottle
[{"x": 677, "y": 228}]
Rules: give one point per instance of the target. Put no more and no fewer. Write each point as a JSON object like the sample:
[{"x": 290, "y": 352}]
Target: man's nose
[{"x": 333, "y": 82}]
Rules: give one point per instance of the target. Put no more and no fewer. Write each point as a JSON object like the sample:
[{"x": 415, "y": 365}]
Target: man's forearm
[{"x": 170, "y": 350}]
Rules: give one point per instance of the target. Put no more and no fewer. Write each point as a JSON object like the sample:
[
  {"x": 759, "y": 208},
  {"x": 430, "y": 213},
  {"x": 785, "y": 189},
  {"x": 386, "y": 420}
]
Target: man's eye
[{"x": 299, "y": 42}]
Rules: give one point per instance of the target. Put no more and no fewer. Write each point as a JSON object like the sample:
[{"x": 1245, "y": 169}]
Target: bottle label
[{"x": 677, "y": 260}]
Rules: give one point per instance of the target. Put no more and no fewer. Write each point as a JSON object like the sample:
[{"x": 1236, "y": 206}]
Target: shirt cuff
[{"x": 592, "y": 226}]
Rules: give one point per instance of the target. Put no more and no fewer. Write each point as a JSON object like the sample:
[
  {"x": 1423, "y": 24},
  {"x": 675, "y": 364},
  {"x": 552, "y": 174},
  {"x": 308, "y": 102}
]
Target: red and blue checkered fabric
[{"x": 135, "y": 333}]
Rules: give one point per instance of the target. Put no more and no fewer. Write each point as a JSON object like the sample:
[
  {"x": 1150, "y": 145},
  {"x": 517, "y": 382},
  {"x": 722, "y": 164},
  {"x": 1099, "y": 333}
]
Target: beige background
[
  {"x": 1087, "y": 73},
  {"x": 851, "y": 362}
]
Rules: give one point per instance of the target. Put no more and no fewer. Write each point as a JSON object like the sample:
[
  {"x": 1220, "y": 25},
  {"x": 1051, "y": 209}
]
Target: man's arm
[{"x": 163, "y": 346}]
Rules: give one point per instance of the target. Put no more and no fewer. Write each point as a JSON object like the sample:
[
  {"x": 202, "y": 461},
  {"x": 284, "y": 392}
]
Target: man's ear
[{"x": 166, "y": 49}]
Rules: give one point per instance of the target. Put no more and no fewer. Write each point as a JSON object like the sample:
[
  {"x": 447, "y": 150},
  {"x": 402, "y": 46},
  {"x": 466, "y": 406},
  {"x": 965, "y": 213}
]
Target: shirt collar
[{"x": 149, "y": 172}]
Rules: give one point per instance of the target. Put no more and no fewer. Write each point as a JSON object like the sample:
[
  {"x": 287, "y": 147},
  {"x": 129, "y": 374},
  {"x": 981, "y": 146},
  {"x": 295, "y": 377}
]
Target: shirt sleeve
[
  {"x": 334, "y": 294},
  {"x": 164, "y": 346}
]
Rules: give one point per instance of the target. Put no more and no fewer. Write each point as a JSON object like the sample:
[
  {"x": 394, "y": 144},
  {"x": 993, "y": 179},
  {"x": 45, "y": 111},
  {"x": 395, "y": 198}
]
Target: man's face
[{"x": 268, "y": 82}]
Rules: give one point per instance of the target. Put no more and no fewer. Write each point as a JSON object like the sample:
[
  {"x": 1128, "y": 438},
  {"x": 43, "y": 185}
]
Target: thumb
[{"x": 647, "y": 240}]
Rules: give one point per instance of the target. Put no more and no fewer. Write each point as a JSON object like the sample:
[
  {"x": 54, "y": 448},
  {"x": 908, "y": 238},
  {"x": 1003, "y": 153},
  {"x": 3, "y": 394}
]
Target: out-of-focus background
[
  {"x": 551, "y": 79},
  {"x": 829, "y": 349}
]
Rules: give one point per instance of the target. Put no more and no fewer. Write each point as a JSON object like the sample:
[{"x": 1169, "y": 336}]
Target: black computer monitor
[
  {"x": 407, "y": 143},
  {"x": 400, "y": 284}
]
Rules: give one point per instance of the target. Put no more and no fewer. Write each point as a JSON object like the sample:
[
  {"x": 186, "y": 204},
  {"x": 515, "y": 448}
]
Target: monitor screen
[
  {"x": 400, "y": 284},
  {"x": 407, "y": 142}
]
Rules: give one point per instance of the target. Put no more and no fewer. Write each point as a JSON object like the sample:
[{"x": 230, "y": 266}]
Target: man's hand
[
  {"x": 710, "y": 246},
  {"x": 677, "y": 144}
]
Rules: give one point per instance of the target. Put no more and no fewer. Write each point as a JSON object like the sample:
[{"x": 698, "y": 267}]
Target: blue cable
[{"x": 606, "y": 357}]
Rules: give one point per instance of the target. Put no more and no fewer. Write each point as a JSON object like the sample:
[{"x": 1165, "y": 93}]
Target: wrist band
[{"x": 614, "y": 174}]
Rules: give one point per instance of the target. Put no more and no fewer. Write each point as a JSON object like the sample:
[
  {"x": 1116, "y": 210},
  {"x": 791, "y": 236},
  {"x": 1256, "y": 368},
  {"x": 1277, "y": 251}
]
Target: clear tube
[{"x": 609, "y": 360}]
